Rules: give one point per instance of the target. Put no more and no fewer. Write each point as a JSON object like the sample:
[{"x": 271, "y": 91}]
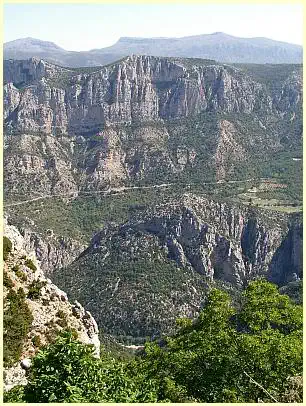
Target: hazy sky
[{"x": 80, "y": 27}]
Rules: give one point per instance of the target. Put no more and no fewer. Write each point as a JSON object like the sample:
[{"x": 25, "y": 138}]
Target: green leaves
[
  {"x": 17, "y": 320},
  {"x": 264, "y": 307},
  {"x": 67, "y": 371},
  {"x": 226, "y": 355},
  {"x": 212, "y": 359},
  {"x": 7, "y": 247}
]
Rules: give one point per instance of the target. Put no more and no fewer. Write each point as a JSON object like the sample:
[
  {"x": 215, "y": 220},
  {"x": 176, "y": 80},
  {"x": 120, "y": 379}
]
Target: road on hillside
[{"x": 122, "y": 189}]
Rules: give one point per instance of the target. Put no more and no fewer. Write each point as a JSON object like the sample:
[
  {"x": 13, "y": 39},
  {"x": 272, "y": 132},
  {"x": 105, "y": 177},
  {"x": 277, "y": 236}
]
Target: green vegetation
[
  {"x": 115, "y": 350},
  {"x": 29, "y": 263},
  {"x": 21, "y": 275},
  {"x": 294, "y": 290},
  {"x": 212, "y": 359},
  {"x": 191, "y": 62},
  {"x": 68, "y": 372},
  {"x": 7, "y": 282},
  {"x": 155, "y": 289},
  {"x": 36, "y": 340},
  {"x": 80, "y": 218},
  {"x": 61, "y": 79},
  {"x": 62, "y": 322},
  {"x": 248, "y": 353},
  {"x": 86, "y": 69},
  {"x": 61, "y": 314},
  {"x": 7, "y": 248},
  {"x": 35, "y": 288},
  {"x": 271, "y": 75},
  {"x": 17, "y": 320}
]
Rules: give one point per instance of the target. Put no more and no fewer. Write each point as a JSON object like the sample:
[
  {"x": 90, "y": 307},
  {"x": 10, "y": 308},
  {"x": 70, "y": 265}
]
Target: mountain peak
[
  {"x": 31, "y": 43},
  {"x": 217, "y": 46}
]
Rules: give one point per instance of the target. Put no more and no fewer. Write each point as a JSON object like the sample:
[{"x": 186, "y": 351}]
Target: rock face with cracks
[
  {"x": 138, "y": 277},
  {"x": 50, "y": 308},
  {"x": 142, "y": 119},
  {"x": 137, "y": 89}
]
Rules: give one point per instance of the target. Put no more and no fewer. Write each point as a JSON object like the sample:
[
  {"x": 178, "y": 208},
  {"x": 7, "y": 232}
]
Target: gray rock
[{"x": 26, "y": 363}]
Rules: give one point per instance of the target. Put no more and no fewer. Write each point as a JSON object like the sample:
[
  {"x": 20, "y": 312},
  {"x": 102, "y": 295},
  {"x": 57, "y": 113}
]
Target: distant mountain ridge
[{"x": 218, "y": 46}]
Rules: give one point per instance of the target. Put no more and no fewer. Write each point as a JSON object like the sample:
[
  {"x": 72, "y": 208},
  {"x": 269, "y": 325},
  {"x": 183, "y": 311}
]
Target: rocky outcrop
[
  {"x": 185, "y": 245},
  {"x": 291, "y": 94},
  {"x": 228, "y": 151},
  {"x": 287, "y": 262},
  {"x": 23, "y": 72},
  {"x": 143, "y": 119},
  {"x": 137, "y": 89},
  {"x": 52, "y": 252},
  {"x": 49, "y": 306},
  {"x": 218, "y": 240},
  {"x": 41, "y": 165}
]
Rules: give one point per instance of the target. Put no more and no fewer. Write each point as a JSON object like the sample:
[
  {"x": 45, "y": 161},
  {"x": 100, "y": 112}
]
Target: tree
[
  {"x": 230, "y": 355},
  {"x": 67, "y": 371}
]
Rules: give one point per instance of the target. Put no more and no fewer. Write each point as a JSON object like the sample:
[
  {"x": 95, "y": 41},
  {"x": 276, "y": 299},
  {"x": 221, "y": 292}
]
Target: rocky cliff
[
  {"x": 142, "y": 122},
  {"x": 134, "y": 276},
  {"x": 47, "y": 306},
  {"x": 139, "y": 88},
  {"x": 143, "y": 119}
]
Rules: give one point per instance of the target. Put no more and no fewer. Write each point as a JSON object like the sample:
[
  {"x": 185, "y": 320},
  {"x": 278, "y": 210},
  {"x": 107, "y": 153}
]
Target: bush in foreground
[{"x": 226, "y": 355}]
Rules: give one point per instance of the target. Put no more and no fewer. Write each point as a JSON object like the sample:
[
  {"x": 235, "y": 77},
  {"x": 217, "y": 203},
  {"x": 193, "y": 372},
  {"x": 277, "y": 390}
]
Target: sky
[{"x": 81, "y": 27}]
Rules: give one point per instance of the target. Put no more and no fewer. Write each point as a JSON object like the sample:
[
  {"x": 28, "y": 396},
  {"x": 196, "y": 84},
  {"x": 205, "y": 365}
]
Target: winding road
[{"x": 122, "y": 189}]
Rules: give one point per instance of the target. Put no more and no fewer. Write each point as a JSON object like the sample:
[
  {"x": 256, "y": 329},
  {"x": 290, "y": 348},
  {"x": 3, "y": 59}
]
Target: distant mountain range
[{"x": 218, "y": 46}]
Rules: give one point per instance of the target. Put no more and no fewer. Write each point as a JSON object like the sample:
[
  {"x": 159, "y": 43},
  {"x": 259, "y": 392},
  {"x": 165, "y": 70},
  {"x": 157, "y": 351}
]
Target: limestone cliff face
[
  {"x": 140, "y": 119},
  {"x": 41, "y": 165},
  {"x": 291, "y": 93},
  {"x": 51, "y": 309},
  {"x": 183, "y": 245},
  {"x": 137, "y": 89},
  {"x": 52, "y": 251},
  {"x": 218, "y": 240},
  {"x": 26, "y": 71},
  {"x": 287, "y": 263}
]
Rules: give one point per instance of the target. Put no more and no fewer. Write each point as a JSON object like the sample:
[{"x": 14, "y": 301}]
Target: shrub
[
  {"x": 29, "y": 263},
  {"x": 232, "y": 354},
  {"x": 7, "y": 248},
  {"x": 62, "y": 322},
  {"x": 15, "y": 268},
  {"x": 67, "y": 371},
  {"x": 220, "y": 356},
  {"x": 35, "y": 288},
  {"x": 21, "y": 293},
  {"x": 61, "y": 314},
  {"x": 7, "y": 282},
  {"x": 15, "y": 395},
  {"x": 17, "y": 320},
  {"x": 21, "y": 275},
  {"x": 36, "y": 340}
]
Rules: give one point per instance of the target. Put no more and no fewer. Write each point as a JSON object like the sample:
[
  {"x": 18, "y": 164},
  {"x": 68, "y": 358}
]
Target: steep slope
[
  {"x": 144, "y": 119},
  {"x": 138, "y": 277},
  {"x": 219, "y": 46},
  {"x": 35, "y": 310},
  {"x": 75, "y": 136},
  {"x": 52, "y": 99}
]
